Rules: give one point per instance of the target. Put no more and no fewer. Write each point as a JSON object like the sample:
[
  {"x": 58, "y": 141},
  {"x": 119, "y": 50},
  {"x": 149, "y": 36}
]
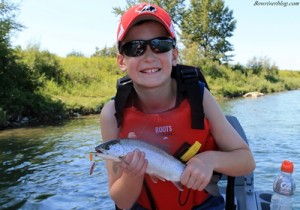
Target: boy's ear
[
  {"x": 120, "y": 60},
  {"x": 174, "y": 56}
]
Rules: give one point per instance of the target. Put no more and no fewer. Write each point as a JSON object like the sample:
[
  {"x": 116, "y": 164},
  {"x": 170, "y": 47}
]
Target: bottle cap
[{"x": 287, "y": 166}]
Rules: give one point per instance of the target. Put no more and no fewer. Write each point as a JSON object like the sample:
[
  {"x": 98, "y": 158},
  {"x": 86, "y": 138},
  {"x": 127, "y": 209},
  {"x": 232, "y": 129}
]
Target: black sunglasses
[{"x": 137, "y": 48}]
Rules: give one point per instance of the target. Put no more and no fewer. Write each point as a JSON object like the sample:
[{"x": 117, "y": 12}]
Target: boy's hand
[
  {"x": 197, "y": 173},
  {"x": 142, "y": 164},
  {"x": 134, "y": 163}
]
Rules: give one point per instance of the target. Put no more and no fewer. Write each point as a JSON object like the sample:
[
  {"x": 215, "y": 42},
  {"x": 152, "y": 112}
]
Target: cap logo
[{"x": 147, "y": 8}]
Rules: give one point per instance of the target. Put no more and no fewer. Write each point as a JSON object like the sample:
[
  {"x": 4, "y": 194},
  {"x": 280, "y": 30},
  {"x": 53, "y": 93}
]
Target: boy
[{"x": 158, "y": 113}]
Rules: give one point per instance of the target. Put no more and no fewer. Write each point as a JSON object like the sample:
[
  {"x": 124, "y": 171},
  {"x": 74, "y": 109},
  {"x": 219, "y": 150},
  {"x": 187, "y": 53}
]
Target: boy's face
[{"x": 149, "y": 69}]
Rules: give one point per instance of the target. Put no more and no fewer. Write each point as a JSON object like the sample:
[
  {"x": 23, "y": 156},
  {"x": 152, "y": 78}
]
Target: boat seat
[{"x": 243, "y": 185}]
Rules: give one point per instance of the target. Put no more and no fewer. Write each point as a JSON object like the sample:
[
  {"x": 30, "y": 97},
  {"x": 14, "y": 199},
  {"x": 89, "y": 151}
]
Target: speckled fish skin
[{"x": 160, "y": 163}]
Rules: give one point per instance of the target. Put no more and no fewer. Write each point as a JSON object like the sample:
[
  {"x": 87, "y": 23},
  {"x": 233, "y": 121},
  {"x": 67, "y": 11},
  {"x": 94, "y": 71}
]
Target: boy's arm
[
  {"x": 125, "y": 178},
  {"x": 234, "y": 157}
]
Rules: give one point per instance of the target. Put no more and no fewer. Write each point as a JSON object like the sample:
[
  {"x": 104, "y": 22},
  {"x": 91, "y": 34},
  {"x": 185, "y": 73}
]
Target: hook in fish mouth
[{"x": 96, "y": 154}]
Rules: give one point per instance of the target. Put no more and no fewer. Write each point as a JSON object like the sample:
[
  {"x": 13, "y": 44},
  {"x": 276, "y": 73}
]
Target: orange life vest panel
[{"x": 168, "y": 130}]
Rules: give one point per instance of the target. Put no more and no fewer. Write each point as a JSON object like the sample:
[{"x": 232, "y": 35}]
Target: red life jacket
[{"x": 169, "y": 130}]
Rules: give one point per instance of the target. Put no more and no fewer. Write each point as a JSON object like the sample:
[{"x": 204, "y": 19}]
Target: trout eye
[{"x": 106, "y": 147}]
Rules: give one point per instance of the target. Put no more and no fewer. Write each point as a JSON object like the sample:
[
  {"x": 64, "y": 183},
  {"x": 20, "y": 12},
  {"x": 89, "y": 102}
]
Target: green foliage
[
  {"x": 106, "y": 52},
  {"x": 87, "y": 82},
  {"x": 8, "y": 24},
  {"x": 41, "y": 62},
  {"x": 192, "y": 54},
  {"x": 2, "y": 116},
  {"x": 16, "y": 81},
  {"x": 290, "y": 79},
  {"x": 230, "y": 82},
  {"x": 21, "y": 82},
  {"x": 75, "y": 54},
  {"x": 20, "y": 92},
  {"x": 209, "y": 23},
  {"x": 262, "y": 66}
]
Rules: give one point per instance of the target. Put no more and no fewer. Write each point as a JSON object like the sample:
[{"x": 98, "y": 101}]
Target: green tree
[
  {"x": 192, "y": 54},
  {"x": 263, "y": 66},
  {"x": 209, "y": 23},
  {"x": 75, "y": 54},
  {"x": 7, "y": 26},
  {"x": 13, "y": 77},
  {"x": 106, "y": 52},
  {"x": 20, "y": 85}
]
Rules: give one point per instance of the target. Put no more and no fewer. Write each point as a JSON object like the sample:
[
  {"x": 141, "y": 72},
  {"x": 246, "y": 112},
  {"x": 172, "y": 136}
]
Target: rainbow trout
[{"x": 160, "y": 163}]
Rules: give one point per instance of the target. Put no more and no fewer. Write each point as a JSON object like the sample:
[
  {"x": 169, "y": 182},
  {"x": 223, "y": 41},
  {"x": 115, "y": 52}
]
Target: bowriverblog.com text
[{"x": 276, "y": 3}]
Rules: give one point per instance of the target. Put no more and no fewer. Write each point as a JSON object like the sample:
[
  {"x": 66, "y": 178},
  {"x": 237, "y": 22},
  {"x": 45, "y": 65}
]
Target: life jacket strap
[
  {"x": 230, "y": 205},
  {"x": 149, "y": 195},
  {"x": 195, "y": 91},
  {"x": 124, "y": 88}
]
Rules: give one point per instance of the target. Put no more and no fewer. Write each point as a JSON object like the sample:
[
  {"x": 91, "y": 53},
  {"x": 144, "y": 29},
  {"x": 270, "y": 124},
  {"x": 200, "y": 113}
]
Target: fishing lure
[
  {"x": 92, "y": 168},
  {"x": 93, "y": 164},
  {"x": 91, "y": 156}
]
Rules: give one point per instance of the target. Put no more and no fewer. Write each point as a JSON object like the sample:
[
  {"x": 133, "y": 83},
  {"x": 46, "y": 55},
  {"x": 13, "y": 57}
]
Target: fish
[{"x": 160, "y": 163}]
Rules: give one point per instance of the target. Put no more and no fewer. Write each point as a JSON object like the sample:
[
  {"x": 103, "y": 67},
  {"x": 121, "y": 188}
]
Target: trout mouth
[
  {"x": 99, "y": 150},
  {"x": 99, "y": 153}
]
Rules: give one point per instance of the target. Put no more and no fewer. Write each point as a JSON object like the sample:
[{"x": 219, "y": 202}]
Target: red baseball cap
[{"x": 144, "y": 11}]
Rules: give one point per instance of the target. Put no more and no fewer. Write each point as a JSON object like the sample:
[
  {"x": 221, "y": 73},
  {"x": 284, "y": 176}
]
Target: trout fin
[
  {"x": 122, "y": 158},
  {"x": 154, "y": 178},
  {"x": 212, "y": 188},
  {"x": 178, "y": 185},
  {"x": 161, "y": 178}
]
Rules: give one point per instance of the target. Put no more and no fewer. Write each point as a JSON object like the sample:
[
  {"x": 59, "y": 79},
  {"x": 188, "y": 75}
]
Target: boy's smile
[{"x": 150, "y": 71}]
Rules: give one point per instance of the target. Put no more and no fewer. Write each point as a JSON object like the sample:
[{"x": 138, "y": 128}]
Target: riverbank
[
  {"x": 29, "y": 121},
  {"x": 63, "y": 88},
  {"x": 22, "y": 121}
]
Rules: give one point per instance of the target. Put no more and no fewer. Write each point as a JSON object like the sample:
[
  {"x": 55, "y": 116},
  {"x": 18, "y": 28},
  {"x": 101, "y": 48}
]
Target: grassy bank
[
  {"x": 66, "y": 87},
  {"x": 90, "y": 82},
  {"x": 87, "y": 83}
]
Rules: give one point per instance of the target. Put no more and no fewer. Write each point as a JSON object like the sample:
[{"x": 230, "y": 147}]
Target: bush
[
  {"x": 2, "y": 116},
  {"x": 45, "y": 65},
  {"x": 87, "y": 82}
]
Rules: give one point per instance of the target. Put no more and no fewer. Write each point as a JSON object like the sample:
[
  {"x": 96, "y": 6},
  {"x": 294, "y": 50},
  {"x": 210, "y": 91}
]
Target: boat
[{"x": 245, "y": 198}]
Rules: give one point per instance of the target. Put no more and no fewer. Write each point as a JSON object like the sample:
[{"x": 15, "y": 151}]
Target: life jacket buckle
[
  {"x": 124, "y": 81},
  {"x": 189, "y": 73}
]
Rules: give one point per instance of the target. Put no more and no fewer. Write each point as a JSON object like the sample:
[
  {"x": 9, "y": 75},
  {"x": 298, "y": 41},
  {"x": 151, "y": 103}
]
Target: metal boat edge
[{"x": 245, "y": 197}]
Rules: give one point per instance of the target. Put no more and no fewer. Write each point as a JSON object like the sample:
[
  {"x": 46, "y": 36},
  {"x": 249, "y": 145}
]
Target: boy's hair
[{"x": 142, "y": 12}]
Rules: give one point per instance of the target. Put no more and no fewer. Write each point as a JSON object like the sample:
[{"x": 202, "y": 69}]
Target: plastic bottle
[{"x": 284, "y": 187}]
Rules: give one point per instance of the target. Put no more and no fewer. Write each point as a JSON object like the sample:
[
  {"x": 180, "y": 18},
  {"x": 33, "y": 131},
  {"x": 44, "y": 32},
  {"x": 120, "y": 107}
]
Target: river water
[{"x": 48, "y": 167}]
